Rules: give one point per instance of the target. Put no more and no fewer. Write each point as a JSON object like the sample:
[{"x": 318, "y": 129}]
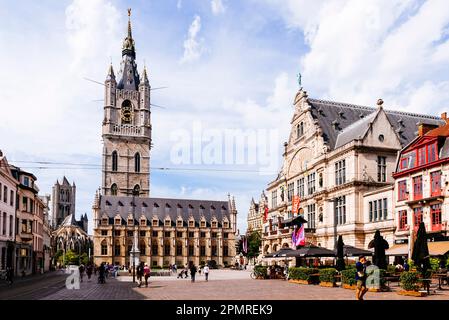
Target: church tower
[{"x": 126, "y": 129}]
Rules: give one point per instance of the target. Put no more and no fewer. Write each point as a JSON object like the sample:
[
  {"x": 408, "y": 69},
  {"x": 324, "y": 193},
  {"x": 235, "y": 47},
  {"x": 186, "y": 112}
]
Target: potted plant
[
  {"x": 409, "y": 284},
  {"x": 348, "y": 279},
  {"x": 303, "y": 275},
  {"x": 261, "y": 272},
  {"x": 327, "y": 277}
]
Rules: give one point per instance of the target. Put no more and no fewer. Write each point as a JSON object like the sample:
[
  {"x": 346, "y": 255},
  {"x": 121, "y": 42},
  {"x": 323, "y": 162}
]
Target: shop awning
[
  {"x": 397, "y": 250},
  {"x": 438, "y": 248}
]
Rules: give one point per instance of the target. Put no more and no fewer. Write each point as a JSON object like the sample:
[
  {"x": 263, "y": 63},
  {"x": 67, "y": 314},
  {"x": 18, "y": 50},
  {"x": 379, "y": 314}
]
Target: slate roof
[
  {"x": 128, "y": 70},
  {"x": 122, "y": 205},
  {"x": 333, "y": 117}
]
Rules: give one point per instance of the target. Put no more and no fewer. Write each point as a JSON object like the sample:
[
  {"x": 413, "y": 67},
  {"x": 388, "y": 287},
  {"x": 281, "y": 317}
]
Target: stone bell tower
[{"x": 126, "y": 129}]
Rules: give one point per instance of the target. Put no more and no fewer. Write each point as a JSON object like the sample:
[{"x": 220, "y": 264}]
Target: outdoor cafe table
[{"x": 440, "y": 277}]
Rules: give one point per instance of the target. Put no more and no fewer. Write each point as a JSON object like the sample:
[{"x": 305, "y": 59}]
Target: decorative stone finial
[{"x": 380, "y": 102}]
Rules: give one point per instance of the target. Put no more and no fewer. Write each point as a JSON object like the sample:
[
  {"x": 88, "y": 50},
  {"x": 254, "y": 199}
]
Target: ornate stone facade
[
  {"x": 256, "y": 214},
  {"x": 126, "y": 129},
  {"x": 336, "y": 153},
  {"x": 127, "y": 222}
]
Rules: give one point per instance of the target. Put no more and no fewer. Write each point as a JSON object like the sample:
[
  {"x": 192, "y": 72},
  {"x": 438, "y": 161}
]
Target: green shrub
[
  {"x": 391, "y": 268},
  {"x": 328, "y": 275},
  {"x": 434, "y": 263},
  {"x": 261, "y": 270},
  {"x": 409, "y": 280},
  {"x": 348, "y": 276},
  {"x": 302, "y": 273}
]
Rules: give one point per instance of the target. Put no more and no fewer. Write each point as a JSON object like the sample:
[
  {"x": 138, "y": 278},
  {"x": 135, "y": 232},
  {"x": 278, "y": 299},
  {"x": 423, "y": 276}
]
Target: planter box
[
  {"x": 328, "y": 284},
  {"x": 349, "y": 286},
  {"x": 412, "y": 293},
  {"x": 300, "y": 281}
]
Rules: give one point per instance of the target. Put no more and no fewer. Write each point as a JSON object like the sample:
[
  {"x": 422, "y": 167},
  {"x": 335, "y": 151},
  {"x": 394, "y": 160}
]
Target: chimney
[{"x": 423, "y": 128}]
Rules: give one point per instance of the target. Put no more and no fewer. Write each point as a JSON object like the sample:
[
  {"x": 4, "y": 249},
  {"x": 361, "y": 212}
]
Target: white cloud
[
  {"x": 179, "y": 4},
  {"x": 217, "y": 7},
  {"x": 193, "y": 47},
  {"x": 361, "y": 51}
]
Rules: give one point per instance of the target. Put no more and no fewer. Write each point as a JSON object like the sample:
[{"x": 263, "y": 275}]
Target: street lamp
[{"x": 135, "y": 252}]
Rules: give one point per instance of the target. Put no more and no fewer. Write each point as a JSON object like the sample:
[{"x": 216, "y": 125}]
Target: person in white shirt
[{"x": 206, "y": 272}]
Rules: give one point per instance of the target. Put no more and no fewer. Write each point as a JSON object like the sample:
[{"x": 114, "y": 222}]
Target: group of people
[
  {"x": 184, "y": 273},
  {"x": 143, "y": 271}
]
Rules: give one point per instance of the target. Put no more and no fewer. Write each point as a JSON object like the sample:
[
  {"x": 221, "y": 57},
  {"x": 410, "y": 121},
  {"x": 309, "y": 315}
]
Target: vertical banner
[
  {"x": 265, "y": 216},
  {"x": 295, "y": 205},
  {"x": 245, "y": 244},
  {"x": 300, "y": 236}
]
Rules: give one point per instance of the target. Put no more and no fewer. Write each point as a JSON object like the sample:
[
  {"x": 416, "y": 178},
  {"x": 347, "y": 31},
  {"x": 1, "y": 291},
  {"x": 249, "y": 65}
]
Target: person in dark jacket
[
  {"x": 193, "y": 272},
  {"x": 139, "y": 273}
]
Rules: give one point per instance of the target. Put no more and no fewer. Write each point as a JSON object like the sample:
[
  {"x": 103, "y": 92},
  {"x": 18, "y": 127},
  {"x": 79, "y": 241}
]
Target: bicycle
[{"x": 255, "y": 274}]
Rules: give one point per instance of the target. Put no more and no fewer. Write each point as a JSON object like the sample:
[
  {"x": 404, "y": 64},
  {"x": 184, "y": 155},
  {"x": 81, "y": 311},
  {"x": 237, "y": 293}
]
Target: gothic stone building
[
  {"x": 256, "y": 214},
  {"x": 337, "y": 152},
  {"x": 63, "y": 201},
  {"x": 165, "y": 231}
]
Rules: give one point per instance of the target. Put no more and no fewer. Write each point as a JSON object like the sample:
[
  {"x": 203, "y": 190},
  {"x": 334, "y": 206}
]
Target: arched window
[
  {"x": 114, "y": 161},
  {"x": 114, "y": 189},
  {"x": 136, "y": 190},
  {"x": 137, "y": 162},
  {"x": 104, "y": 248},
  {"x": 300, "y": 129}
]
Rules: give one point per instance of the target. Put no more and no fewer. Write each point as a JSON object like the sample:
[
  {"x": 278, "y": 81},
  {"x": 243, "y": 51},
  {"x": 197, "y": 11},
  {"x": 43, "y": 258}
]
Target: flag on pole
[
  {"x": 295, "y": 206},
  {"x": 245, "y": 244},
  {"x": 294, "y": 236},
  {"x": 265, "y": 216},
  {"x": 300, "y": 236}
]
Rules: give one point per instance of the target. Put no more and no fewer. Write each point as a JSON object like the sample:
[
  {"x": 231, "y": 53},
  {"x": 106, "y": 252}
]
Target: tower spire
[
  {"x": 129, "y": 24},
  {"x": 128, "y": 44}
]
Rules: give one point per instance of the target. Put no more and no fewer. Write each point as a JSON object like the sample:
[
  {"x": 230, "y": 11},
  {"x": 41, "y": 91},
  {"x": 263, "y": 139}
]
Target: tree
[{"x": 254, "y": 242}]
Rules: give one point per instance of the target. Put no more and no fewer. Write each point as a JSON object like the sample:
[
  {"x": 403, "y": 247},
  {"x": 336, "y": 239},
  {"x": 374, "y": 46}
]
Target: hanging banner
[
  {"x": 295, "y": 205},
  {"x": 265, "y": 216},
  {"x": 300, "y": 236}
]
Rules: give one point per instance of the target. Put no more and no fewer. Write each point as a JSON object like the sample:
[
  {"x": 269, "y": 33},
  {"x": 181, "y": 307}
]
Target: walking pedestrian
[
  {"x": 360, "y": 277},
  {"x": 206, "y": 272},
  {"x": 193, "y": 272},
  {"x": 9, "y": 275},
  {"x": 101, "y": 273},
  {"x": 89, "y": 270},
  {"x": 146, "y": 274},
  {"x": 139, "y": 273},
  {"x": 81, "y": 270}
]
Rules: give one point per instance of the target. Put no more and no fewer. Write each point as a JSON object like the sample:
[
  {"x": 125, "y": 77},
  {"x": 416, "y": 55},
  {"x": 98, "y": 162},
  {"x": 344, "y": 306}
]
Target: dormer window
[
  {"x": 155, "y": 223},
  {"x": 167, "y": 223},
  {"x": 130, "y": 222},
  {"x": 191, "y": 224},
  {"x": 214, "y": 224},
  {"x": 179, "y": 223},
  {"x": 118, "y": 221},
  {"x": 104, "y": 221},
  {"x": 225, "y": 224},
  {"x": 203, "y": 224},
  {"x": 143, "y": 222}
]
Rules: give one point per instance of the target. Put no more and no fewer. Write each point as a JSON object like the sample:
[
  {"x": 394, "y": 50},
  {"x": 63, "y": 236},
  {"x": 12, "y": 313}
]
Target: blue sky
[{"x": 227, "y": 65}]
